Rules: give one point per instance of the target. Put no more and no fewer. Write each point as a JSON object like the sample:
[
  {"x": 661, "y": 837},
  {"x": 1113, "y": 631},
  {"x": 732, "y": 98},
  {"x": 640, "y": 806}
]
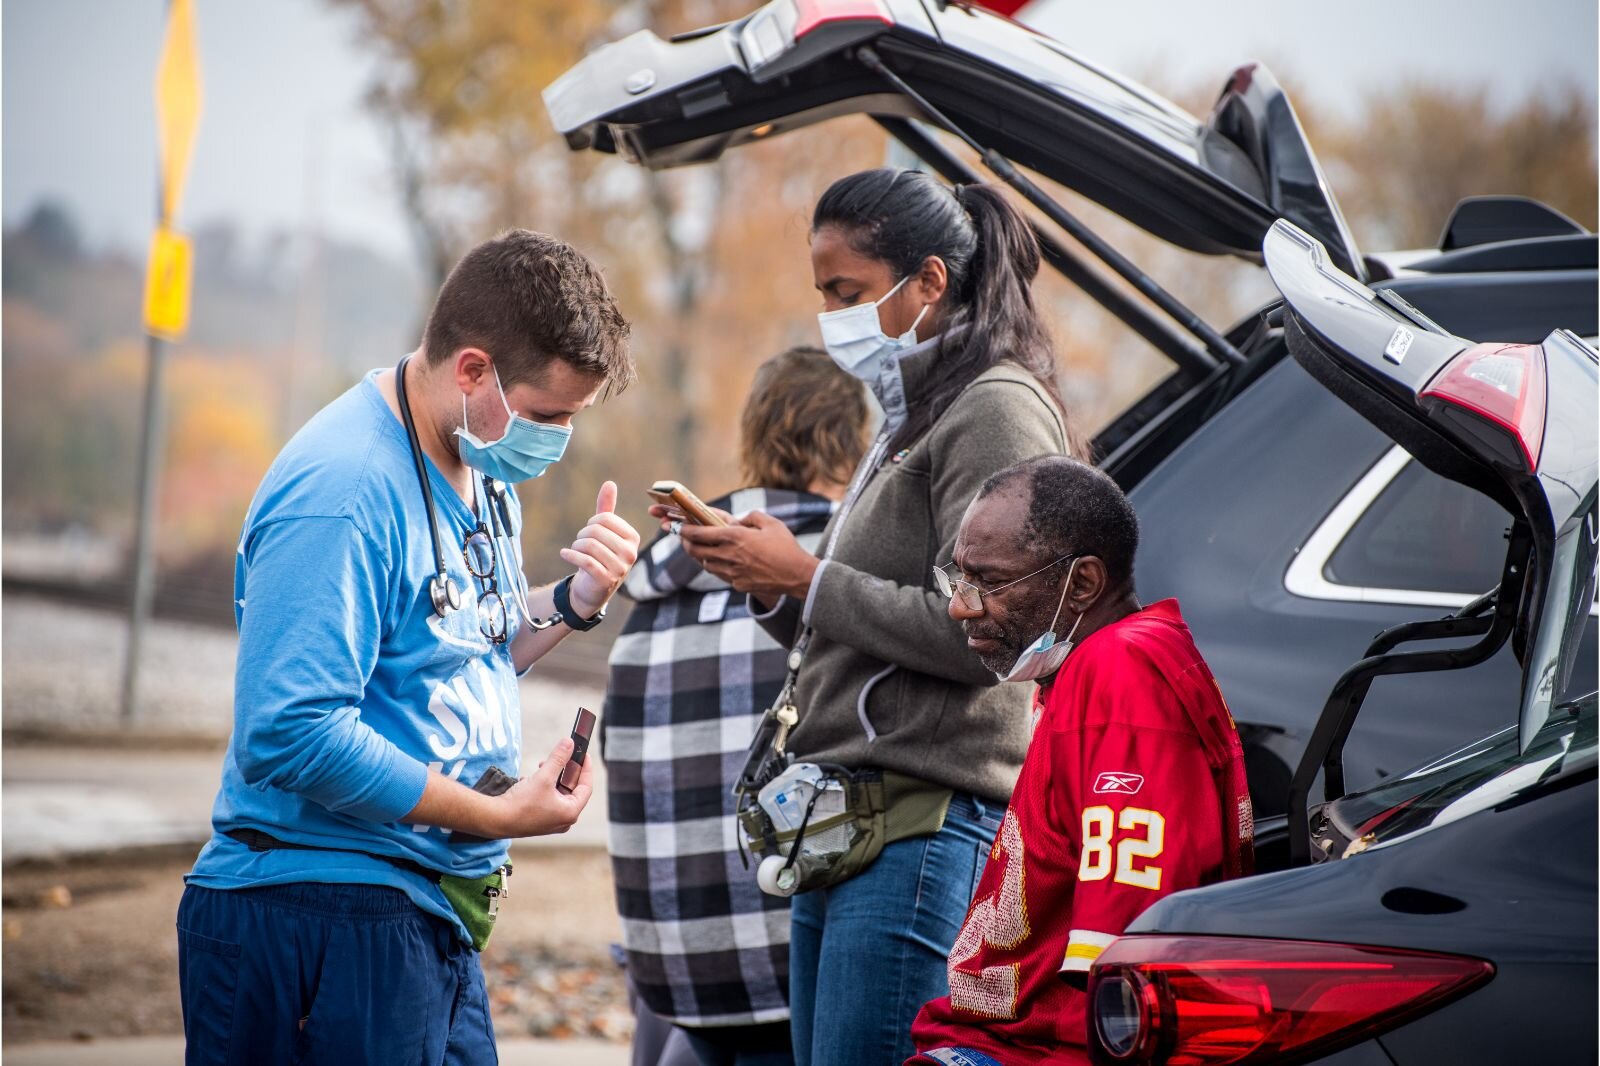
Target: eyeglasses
[
  {"x": 972, "y": 595},
  {"x": 480, "y": 556}
]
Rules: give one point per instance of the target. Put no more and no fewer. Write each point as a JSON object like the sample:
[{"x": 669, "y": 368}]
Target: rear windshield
[{"x": 1482, "y": 775}]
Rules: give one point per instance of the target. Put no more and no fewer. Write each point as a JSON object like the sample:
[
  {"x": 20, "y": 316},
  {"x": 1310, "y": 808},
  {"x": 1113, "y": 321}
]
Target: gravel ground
[
  {"x": 89, "y": 950},
  {"x": 63, "y": 672}
]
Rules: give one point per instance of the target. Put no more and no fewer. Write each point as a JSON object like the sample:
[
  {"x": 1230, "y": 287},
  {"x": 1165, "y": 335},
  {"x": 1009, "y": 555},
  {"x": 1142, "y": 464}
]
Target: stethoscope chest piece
[{"x": 444, "y": 593}]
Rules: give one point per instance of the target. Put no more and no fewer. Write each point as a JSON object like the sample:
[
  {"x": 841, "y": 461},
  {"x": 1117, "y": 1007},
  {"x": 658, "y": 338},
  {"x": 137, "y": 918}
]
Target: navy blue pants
[{"x": 318, "y": 973}]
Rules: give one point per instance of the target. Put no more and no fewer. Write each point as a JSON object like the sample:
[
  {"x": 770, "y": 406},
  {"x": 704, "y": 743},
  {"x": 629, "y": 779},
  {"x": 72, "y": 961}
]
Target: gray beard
[{"x": 1000, "y": 662}]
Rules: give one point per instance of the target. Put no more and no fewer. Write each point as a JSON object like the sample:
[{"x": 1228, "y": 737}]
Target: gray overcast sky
[
  {"x": 1338, "y": 51},
  {"x": 284, "y": 134},
  {"x": 283, "y": 82}
]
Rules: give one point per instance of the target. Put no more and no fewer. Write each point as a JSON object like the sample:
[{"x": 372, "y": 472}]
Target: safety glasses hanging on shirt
[{"x": 482, "y": 555}]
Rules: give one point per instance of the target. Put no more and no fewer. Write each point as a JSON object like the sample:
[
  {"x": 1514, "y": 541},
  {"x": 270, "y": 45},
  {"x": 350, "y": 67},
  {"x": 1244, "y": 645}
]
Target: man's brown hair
[
  {"x": 805, "y": 420},
  {"x": 526, "y": 299}
]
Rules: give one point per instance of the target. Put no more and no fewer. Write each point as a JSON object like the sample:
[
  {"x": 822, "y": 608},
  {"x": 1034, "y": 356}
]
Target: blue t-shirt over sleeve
[
  {"x": 317, "y": 591},
  {"x": 349, "y": 688}
]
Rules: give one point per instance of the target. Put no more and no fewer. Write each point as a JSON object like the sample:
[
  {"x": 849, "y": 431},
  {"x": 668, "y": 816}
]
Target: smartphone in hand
[
  {"x": 674, "y": 495},
  {"x": 582, "y": 730},
  {"x": 494, "y": 782}
]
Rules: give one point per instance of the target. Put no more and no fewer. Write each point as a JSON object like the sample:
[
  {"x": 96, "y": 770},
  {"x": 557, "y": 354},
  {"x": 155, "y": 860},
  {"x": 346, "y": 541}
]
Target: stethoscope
[{"x": 443, "y": 592}]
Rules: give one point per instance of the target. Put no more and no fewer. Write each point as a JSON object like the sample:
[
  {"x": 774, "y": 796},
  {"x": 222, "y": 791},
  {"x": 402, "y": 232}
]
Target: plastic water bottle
[{"x": 786, "y": 796}]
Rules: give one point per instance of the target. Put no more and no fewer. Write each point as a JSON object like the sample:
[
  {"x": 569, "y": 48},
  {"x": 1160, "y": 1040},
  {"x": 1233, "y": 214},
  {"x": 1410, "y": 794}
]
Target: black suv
[{"x": 1290, "y": 528}]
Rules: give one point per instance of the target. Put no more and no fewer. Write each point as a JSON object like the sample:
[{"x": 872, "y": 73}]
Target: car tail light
[
  {"x": 1210, "y": 1001},
  {"x": 1503, "y": 384},
  {"x": 769, "y": 37},
  {"x": 809, "y": 14}
]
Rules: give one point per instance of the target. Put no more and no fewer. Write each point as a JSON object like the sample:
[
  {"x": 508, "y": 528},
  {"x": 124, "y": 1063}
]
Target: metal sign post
[{"x": 166, "y": 308}]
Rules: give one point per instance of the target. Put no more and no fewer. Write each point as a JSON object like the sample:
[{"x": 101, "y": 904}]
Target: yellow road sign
[
  {"x": 166, "y": 284},
  {"x": 177, "y": 103}
]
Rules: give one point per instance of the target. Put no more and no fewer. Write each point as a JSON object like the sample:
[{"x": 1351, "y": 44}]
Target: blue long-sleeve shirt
[{"x": 349, "y": 687}]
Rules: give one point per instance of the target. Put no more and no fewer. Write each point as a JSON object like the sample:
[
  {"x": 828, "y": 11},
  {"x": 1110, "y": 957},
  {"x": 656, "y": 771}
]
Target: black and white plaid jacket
[{"x": 690, "y": 676}]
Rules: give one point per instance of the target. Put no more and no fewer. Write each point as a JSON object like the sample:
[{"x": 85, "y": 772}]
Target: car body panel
[
  {"x": 1481, "y": 220},
  {"x": 1517, "y": 306}
]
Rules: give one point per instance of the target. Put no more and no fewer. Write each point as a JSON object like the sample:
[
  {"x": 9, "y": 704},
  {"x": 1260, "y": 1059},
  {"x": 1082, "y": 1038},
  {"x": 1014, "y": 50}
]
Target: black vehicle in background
[
  {"x": 1446, "y": 915},
  {"x": 1290, "y": 529}
]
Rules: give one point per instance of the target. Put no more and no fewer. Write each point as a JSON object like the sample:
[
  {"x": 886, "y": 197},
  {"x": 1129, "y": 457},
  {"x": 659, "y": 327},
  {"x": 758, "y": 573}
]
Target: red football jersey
[{"x": 1133, "y": 788}]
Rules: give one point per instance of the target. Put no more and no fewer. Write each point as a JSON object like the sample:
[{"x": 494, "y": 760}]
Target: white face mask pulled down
[
  {"x": 1044, "y": 656},
  {"x": 855, "y": 339}
]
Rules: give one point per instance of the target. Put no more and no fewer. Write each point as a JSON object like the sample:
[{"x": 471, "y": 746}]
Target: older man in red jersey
[{"x": 1133, "y": 787}]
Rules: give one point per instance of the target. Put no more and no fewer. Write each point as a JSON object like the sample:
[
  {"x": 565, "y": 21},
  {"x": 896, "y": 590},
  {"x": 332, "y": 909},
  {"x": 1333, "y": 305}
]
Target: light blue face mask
[
  {"x": 1045, "y": 655},
  {"x": 525, "y": 450},
  {"x": 855, "y": 339}
]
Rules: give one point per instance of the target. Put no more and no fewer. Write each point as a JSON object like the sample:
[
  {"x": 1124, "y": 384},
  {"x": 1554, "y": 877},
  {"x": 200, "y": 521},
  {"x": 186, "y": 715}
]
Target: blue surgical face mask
[
  {"x": 1044, "y": 656},
  {"x": 525, "y": 450},
  {"x": 855, "y": 339}
]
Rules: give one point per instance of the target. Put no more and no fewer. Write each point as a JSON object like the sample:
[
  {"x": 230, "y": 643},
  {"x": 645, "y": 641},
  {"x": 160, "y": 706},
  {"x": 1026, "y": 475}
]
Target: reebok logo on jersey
[{"x": 1117, "y": 783}]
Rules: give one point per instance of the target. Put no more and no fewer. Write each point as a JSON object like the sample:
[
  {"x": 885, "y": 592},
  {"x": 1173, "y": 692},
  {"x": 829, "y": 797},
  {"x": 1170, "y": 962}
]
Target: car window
[{"x": 1426, "y": 533}]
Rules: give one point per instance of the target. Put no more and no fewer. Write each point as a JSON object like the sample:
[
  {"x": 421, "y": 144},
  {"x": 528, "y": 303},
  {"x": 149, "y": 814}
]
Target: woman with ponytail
[{"x": 927, "y": 298}]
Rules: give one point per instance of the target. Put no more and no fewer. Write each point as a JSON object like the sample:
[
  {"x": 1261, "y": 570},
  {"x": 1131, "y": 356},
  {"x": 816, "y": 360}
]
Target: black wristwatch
[{"x": 563, "y": 598}]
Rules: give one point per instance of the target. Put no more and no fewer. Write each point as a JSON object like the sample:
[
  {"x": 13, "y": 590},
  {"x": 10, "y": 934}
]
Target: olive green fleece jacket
[{"x": 888, "y": 680}]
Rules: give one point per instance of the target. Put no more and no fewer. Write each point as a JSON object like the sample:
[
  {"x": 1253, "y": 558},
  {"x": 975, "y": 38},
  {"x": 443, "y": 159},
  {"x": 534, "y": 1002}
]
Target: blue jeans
[
  {"x": 865, "y": 955},
  {"x": 308, "y": 973}
]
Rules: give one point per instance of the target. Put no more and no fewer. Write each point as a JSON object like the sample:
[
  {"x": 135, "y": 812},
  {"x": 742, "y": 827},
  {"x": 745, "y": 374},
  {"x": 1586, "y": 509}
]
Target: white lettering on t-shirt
[{"x": 447, "y": 718}]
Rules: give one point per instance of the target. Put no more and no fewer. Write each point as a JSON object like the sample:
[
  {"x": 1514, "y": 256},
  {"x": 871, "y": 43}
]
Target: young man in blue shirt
[{"x": 332, "y": 916}]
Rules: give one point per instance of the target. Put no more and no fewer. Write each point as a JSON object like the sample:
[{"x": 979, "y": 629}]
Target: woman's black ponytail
[{"x": 991, "y": 258}]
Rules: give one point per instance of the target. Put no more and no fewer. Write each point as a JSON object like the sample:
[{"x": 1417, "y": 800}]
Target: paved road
[{"x": 164, "y": 1051}]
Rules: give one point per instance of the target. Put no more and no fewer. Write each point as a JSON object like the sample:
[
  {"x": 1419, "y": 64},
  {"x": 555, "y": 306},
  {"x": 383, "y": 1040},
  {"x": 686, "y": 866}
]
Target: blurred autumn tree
[
  {"x": 1411, "y": 155},
  {"x": 74, "y": 370}
]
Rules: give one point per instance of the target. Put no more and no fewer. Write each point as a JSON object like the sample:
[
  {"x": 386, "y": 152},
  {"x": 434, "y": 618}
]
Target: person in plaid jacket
[{"x": 690, "y": 677}]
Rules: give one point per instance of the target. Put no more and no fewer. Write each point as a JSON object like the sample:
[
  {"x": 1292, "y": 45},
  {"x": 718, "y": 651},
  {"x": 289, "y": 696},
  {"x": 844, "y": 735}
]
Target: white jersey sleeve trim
[{"x": 1083, "y": 947}]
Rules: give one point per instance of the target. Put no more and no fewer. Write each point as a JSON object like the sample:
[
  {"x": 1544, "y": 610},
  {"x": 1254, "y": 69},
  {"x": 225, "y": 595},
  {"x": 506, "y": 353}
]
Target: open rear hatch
[
  {"x": 1514, "y": 421},
  {"x": 1214, "y": 187}
]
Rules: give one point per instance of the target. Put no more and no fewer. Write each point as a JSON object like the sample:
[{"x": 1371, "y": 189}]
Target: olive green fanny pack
[
  {"x": 476, "y": 901},
  {"x": 881, "y": 807}
]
